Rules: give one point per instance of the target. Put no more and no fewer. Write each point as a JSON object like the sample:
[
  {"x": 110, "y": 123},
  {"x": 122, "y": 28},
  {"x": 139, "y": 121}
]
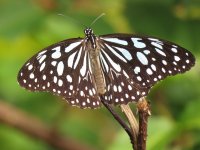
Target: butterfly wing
[
  {"x": 133, "y": 64},
  {"x": 62, "y": 69}
]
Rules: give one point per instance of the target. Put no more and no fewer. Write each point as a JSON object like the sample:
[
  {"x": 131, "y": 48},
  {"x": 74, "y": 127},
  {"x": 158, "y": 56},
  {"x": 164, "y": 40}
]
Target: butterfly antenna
[
  {"x": 97, "y": 18},
  {"x": 73, "y": 20}
]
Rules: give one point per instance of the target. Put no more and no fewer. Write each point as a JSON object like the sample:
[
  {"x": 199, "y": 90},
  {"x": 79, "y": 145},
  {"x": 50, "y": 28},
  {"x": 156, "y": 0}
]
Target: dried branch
[
  {"x": 14, "y": 117},
  {"x": 144, "y": 112}
]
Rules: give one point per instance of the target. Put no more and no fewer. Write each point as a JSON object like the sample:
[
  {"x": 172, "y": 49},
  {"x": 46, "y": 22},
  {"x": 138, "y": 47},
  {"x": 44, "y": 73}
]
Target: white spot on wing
[
  {"x": 164, "y": 62},
  {"x": 129, "y": 87},
  {"x": 42, "y": 52},
  {"x": 137, "y": 70},
  {"x": 57, "y": 52},
  {"x": 44, "y": 77},
  {"x": 176, "y": 58},
  {"x": 115, "y": 88},
  {"x": 119, "y": 88},
  {"x": 60, "y": 82},
  {"x": 69, "y": 78},
  {"x": 71, "y": 59},
  {"x": 116, "y": 100},
  {"x": 42, "y": 59},
  {"x": 71, "y": 46},
  {"x": 83, "y": 69},
  {"x": 187, "y": 61},
  {"x": 55, "y": 79},
  {"x": 115, "y": 66},
  {"x": 153, "y": 39},
  {"x": 48, "y": 84},
  {"x": 153, "y": 67},
  {"x": 71, "y": 87},
  {"x": 174, "y": 50},
  {"x": 60, "y": 68},
  {"x": 160, "y": 52},
  {"x": 82, "y": 93},
  {"x": 31, "y": 76},
  {"x": 156, "y": 44},
  {"x": 54, "y": 63},
  {"x": 163, "y": 70},
  {"x": 116, "y": 40},
  {"x": 149, "y": 71},
  {"x": 104, "y": 62},
  {"x": 124, "y": 72},
  {"x": 139, "y": 78},
  {"x": 137, "y": 43},
  {"x": 78, "y": 58},
  {"x": 30, "y": 67},
  {"x": 114, "y": 52},
  {"x": 124, "y": 52},
  {"x": 90, "y": 92},
  {"x": 146, "y": 52},
  {"x": 142, "y": 58},
  {"x": 42, "y": 66},
  {"x": 174, "y": 63}
]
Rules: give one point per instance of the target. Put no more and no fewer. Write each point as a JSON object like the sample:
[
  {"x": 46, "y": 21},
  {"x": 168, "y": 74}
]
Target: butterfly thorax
[{"x": 93, "y": 48}]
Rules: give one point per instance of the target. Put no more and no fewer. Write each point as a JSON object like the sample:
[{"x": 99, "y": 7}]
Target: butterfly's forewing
[
  {"x": 62, "y": 69},
  {"x": 133, "y": 64}
]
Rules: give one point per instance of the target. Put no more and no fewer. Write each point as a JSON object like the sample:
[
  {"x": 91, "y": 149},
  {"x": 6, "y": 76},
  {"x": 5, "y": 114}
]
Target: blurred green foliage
[{"x": 27, "y": 26}]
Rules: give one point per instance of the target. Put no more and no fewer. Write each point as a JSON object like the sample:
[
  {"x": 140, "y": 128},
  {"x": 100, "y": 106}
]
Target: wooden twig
[
  {"x": 144, "y": 112},
  {"x": 14, "y": 117}
]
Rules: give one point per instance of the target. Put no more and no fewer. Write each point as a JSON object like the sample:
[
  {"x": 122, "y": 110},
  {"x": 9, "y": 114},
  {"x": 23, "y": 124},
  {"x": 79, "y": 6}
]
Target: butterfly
[{"x": 120, "y": 67}]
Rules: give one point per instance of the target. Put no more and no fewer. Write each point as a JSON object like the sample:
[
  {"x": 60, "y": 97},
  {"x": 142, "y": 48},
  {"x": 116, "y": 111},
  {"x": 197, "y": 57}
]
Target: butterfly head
[
  {"x": 90, "y": 37},
  {"x": 88, "y": 32}
]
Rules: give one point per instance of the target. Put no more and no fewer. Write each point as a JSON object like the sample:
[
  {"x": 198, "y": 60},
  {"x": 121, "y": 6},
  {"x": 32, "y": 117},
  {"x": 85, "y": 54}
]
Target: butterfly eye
[
  {"x": 86, "y": 31},
  {"x": 91, "y": 31},
  {"x": 121, "y": 67}
]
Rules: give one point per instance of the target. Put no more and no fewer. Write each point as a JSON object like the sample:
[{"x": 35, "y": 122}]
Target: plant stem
[
  {"x": 132, "y": 122},
  {"x": 138, "y": 135},
  {"x": 144, "y": 112}
]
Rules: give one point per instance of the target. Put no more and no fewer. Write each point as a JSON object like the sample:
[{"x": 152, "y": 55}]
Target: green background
[{"x": 26, "y": 26}]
